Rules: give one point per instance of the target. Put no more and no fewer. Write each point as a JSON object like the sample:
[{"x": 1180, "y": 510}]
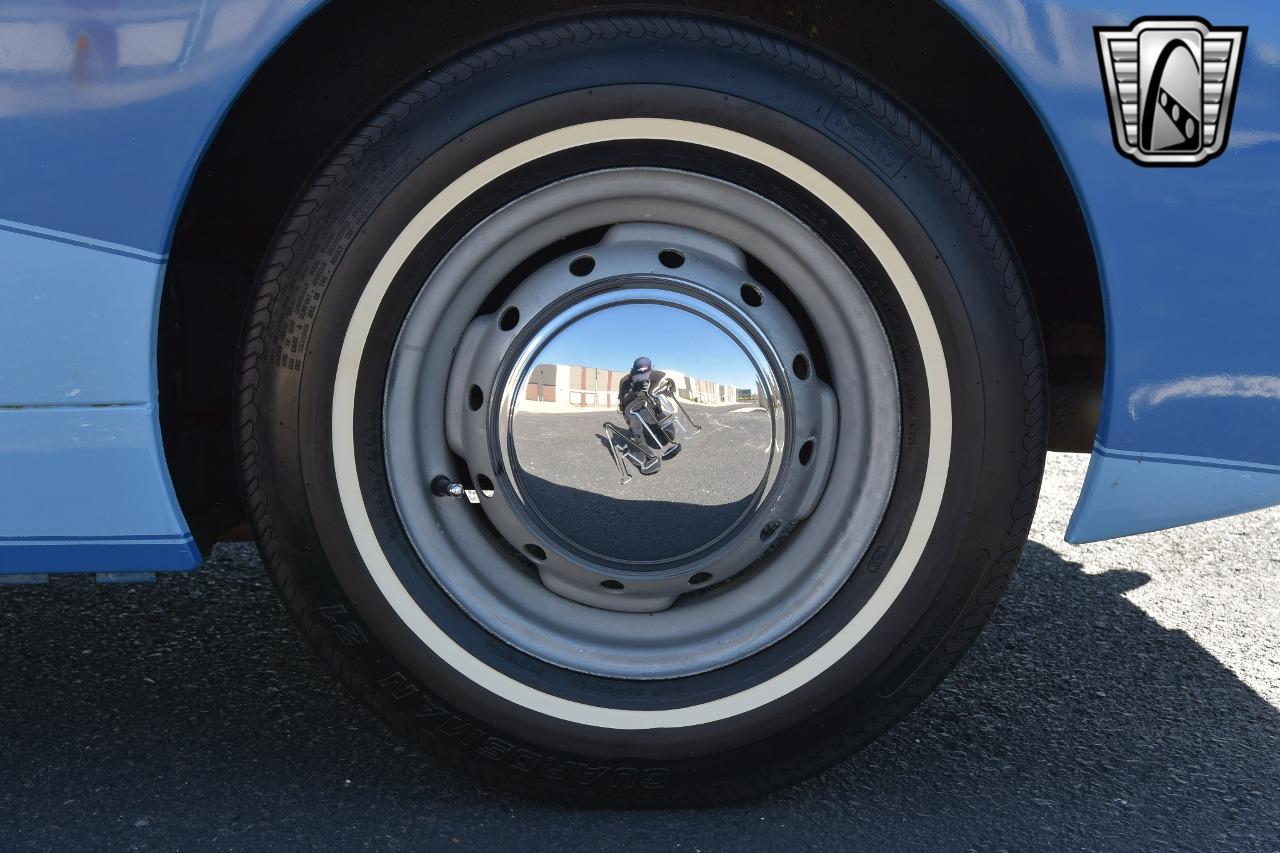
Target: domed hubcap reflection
[
  {"x": 649, "y": 430},
  {"x": 702, "y": 453}
]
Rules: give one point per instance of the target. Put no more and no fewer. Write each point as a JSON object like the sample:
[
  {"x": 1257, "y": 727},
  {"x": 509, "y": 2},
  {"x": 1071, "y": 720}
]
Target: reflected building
[{"x": 574, "y": 387}]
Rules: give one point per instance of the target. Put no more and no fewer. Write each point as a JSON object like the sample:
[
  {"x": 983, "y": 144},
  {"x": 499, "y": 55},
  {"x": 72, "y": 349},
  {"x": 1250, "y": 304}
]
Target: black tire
[{"x": 829, "y": 118}]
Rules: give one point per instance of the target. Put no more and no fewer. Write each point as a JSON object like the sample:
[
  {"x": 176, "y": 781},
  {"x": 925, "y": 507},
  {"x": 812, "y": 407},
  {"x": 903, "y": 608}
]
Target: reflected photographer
[{"x": 655, "y": 417}]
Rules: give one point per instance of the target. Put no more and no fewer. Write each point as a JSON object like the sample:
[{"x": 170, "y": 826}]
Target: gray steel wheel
[{"x": 573, "y": 552}]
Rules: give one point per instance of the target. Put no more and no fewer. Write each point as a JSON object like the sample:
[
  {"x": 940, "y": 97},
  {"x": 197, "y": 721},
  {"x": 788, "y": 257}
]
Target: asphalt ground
[{"x": 1124, "y": 698}]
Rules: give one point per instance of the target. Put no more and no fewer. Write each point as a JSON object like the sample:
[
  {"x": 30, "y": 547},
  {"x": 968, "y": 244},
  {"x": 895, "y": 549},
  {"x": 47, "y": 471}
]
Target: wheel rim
[
  {"x": 569, "y": 591},
  {"x": 632, "y": 536}
]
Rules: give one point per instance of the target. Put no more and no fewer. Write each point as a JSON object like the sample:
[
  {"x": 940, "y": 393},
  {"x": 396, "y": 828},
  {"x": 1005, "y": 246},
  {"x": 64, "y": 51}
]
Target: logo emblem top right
[{"x": 1170, "y": 85}]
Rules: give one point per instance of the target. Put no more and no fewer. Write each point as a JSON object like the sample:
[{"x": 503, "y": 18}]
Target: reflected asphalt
[
  {"x": 1124, "y": 698},
  {"x": 571, "y": 477}
]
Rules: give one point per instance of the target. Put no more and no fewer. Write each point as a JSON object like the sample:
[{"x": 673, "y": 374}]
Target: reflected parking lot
[{"x": 568, "y": 469}]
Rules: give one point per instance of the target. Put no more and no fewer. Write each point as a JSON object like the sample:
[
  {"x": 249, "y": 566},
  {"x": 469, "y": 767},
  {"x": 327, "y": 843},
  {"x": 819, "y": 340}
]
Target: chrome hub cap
[{"x": 626, "y": 497}]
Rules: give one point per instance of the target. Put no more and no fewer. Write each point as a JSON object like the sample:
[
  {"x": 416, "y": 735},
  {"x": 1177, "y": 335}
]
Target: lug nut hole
[
  {"x": 485, "y": 485},
  {"x": 475, "y": 398},
  {"x": 612, "y": 585},
  {"x": 806, "y": 451},
  {"x": 582, "y": 265},
  {"x": 769, "y": 529},
  {"x": 535, "y": 552},
  {"x": 752, "y": 295},
  {"x": 509, "y": 319},
  {"x": 699, "y": 578},
  {"x": 800, "y": 367},
  {"x": 671, "y": 259}
]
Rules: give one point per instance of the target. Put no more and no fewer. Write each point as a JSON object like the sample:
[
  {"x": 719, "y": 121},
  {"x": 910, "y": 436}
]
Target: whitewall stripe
[{"x": 692, "y": 133}]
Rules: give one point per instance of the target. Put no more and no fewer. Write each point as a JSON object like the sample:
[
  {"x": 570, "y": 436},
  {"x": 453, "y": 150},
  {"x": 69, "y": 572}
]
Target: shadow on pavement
[{"x": 189, "y": 714}]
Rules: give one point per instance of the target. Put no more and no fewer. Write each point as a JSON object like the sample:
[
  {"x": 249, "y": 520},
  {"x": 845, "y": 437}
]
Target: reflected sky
[{"x": 673, "y": 338}]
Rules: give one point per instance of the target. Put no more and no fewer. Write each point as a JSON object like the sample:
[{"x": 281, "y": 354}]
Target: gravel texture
[{"x": 1124, "y": 698}]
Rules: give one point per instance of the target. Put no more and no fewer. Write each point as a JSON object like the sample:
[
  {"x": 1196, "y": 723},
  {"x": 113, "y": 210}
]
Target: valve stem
[{"x": 443, "y": 487}]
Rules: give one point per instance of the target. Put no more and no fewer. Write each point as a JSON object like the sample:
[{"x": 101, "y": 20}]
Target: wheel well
[{"x": 343, "y": 60}]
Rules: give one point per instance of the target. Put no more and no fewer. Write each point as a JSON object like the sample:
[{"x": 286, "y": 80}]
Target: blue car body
[{"x": 106, "y": 110}]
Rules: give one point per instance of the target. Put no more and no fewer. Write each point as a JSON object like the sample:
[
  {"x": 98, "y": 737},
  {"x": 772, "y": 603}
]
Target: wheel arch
[{"x": 320, "y": 81}]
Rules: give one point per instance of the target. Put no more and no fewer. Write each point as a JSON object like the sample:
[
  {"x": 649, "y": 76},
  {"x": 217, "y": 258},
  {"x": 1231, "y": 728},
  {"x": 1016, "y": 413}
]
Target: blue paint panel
[
  {"x": 84, "y": 471},
  {"x": 1127, "y": 493},
  {"x": 80, "y": 451},
  {"x": 105, "y": 109},
  {"x": 115, "y": 554},
  {"x": 79, "y": 322},
  {"x": 108, "y": 106},
  {"x": 1189, "y": 257}
]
